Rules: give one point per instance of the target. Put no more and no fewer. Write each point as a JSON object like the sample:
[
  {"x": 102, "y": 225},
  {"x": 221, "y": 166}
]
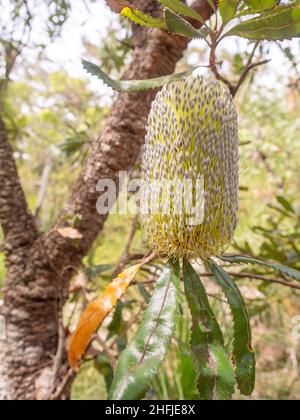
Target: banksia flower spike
[{"x": 190, "y": 167}]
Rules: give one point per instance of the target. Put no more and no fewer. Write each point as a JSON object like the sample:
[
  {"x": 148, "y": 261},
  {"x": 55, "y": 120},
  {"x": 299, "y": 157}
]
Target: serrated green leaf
[
  {"x": 228, "y": 9},
  {"x": 242, "y": 346},
  {"x": 140, "y": 361},
  {"x": 216, "y": 376},
  {"x": 178, "y": 6},
  {"x": 246, "y": 259},
  {"x": 176, "y": 24},
  {"x": 260, "y": 5},
  {"x": 226, "y": 381},
  {"x": 142, "y": 19},
  {"x": 283, "y": 22},
  {"x": 127, "y": 9},
  {"x": 132, "y": 85}
]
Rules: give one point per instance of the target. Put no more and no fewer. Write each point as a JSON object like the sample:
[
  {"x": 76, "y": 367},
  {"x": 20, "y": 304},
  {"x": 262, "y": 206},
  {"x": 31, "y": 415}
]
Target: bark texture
[{"x": 40, "y": 266}]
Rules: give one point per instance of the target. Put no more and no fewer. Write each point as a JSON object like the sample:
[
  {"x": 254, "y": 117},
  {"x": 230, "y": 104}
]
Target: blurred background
[{"x": 54, "y": 111}]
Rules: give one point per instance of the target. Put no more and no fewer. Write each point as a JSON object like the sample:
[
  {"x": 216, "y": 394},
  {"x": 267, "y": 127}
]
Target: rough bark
[
  {"x": 18, "y": 228},
  {"x": 39, "y": 268}
]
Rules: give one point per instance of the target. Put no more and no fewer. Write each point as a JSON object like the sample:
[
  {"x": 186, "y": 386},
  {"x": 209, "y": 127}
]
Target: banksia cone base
[{"x": 192, "y": 148}]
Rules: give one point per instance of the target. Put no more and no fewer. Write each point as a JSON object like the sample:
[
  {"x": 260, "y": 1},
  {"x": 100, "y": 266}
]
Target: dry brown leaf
[
  {"x": 97, "y": 311},
  {"x": 69, "y": 233}
]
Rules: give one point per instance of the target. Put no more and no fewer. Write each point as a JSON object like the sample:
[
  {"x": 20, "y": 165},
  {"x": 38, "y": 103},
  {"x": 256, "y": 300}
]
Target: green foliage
[
  {"x": 245, "y": 259},
  {"x": 281, "y": 235},
  {"x": 177, "y": 6},
  {"x": 131, "y": 85},
  {"x": 269, "y": 145},
  {"x": 215, "y": 373},
  {"x": 280, "y": 23},
  {"x": 261, "y": 5},
  {"x": 89, "y": 384},
  {"x": 177, "y": 378},
  {"x": 128, "y": 10},
  {"x": 114, "y": 51},
  {"x": 60, "y": 132},
  {"x": 95, "y": 270},
  {"x": 273, "y": 23},
  {"x": 242, "y": 346},
  {"x": 228, "y": 9},
  {"x": 103, "y": 366},
  {"x": 142, "y": 19},
  {"x": 271, "y": 306},
  {"x": 139, "y": 363},
  {"x": 118, "y": 325},
  {"x": 176, "y": 24}
]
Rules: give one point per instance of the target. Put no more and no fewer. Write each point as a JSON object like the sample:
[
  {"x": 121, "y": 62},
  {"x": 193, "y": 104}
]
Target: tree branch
[
  {"x": 213, "y": 63},
  {"x": 258, "y": 277},
  {"x": 16, "y": 221},
  {"x": 249, "y": 66},
  {"x": 249, "y": 276}
]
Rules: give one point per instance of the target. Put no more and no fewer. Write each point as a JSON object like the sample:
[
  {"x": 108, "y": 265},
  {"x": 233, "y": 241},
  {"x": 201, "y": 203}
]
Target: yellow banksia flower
[{"x": 192, "y": 148}]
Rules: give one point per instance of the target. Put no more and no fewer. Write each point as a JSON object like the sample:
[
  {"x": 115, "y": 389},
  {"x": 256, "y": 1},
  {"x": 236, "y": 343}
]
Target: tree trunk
[{"x": 39, "y": 267}]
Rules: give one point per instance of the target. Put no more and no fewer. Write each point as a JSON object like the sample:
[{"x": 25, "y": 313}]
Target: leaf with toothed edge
[
  {"x": 131, "y": 12},
  {"x": 132, "y": 86},
  {"x": 176, "y": 24},
  {"x": 246, "y": 259},
  {"x": 256, "y": 6},
  {"x": 140, "y": 361},
  {"x": 242, "y": 346},
  {"x": 216, "y": 375},
  {"x": 228, "y": 9},
  {"x": 142, "y": 19},
  {"x": 177, "y": 6},
  {"x": 278, "y": 24}
]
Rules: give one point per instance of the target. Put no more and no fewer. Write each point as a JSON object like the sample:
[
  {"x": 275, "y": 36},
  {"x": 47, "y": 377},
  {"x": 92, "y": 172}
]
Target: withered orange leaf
[{"x": 97, "y": 311}]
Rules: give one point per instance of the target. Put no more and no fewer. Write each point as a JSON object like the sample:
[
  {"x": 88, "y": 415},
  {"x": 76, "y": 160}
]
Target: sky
[{"x": 92, "y": 23}]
